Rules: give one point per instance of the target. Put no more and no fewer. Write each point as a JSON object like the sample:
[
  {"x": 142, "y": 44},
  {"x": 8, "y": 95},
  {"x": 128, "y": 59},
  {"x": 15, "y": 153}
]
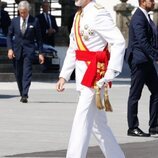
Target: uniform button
[
  {"x": 86, "y": 38},
  {"x": 91, "y": 32},
  {"x": 85, "y": 27}
]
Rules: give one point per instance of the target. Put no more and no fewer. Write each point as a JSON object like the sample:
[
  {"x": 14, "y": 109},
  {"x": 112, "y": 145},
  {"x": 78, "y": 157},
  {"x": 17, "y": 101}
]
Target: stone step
[
  {"x": 4, "y": 60},
  {"x": 3, "y": 51},
  {"x": 7, "y": 77},
  {"x": 47, "y": 77},
  {"x": 6, "y": 68}
]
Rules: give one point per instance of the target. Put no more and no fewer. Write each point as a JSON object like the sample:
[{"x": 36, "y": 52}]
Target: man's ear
[{"x": 143, "y": 3}]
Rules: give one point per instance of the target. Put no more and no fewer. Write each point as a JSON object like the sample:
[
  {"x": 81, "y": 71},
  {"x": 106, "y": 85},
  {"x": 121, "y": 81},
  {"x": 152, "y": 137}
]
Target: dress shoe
[
  {"x": 23, "y": 100},
  {"x": 153, "y": 131},
  {"x": 137, "y": 132}
]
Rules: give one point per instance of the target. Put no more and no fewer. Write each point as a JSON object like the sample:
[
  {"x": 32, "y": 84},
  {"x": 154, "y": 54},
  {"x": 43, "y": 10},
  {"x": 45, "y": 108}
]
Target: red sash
[{"x": 97, "y": 67}]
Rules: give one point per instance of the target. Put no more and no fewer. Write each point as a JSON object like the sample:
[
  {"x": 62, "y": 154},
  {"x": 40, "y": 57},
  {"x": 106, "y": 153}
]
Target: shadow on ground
[
  {"x": 131, "y": 150},
  {"x": 54, "y": 102},
  {"x": 4, "y": 96}
]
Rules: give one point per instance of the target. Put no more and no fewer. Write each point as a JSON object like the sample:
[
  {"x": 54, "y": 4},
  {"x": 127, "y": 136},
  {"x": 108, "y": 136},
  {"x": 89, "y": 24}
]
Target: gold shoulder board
[{"x": 98, "y": 6}]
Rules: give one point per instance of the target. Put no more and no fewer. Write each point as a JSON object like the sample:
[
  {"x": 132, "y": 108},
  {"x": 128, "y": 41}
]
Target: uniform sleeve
[
  {"x": 69, "y": 61},
  {"x": 106, "y": 28}
]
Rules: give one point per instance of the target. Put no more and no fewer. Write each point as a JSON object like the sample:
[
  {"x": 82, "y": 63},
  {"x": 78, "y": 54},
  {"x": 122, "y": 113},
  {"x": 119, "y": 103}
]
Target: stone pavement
[{"x": 41, "y": 127}]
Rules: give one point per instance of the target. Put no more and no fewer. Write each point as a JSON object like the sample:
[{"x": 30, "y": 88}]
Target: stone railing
[{"x": 124, "y": 13}]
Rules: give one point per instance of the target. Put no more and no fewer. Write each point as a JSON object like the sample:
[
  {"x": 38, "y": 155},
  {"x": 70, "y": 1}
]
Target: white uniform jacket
[{"x": 97, "y": 29}]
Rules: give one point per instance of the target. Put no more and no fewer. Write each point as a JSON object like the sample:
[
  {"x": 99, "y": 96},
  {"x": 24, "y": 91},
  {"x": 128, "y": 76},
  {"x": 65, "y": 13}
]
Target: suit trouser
[
  {"x": 88, "y": 119},
  {"x": 141, "y": 74},
  {"x": 23, "y": 74}
]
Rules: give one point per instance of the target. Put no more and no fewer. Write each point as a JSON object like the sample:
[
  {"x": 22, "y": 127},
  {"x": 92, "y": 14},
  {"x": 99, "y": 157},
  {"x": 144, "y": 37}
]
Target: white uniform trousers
[{"x": 88, "y": 119}]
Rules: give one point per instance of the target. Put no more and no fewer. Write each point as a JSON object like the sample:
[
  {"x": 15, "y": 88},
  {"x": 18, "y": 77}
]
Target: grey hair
[{"x": 24, "y": 5}]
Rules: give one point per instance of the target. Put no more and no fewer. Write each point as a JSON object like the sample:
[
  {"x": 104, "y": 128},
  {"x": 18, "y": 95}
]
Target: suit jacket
[
  {"x": 26, "y": 43},
  {"x": 44, "y": 27},
  {"x": 4, "y": 21},
  {"x": 141, "y": 40}
]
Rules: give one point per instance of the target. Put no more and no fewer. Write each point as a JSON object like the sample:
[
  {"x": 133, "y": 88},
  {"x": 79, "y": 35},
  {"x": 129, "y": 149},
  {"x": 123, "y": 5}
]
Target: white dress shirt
[
  {"x": 145, "y": 13},
  {"x": 47, "y": 17},
  {"x": 21, "y": 21}
]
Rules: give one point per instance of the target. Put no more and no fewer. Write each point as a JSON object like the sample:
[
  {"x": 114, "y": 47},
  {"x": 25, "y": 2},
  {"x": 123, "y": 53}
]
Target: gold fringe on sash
[
  {"x": 98, "y": 99},
  {"x": 107, "y": 106}
]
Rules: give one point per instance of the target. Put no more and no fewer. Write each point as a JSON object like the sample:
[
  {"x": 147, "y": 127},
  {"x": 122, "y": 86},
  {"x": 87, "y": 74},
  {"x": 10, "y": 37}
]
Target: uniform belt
[{"x": 97, "y": 64}]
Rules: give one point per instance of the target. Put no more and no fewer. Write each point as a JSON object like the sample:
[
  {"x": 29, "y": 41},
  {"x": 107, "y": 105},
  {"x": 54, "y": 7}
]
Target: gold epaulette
[{"x": 98, "y": 6}]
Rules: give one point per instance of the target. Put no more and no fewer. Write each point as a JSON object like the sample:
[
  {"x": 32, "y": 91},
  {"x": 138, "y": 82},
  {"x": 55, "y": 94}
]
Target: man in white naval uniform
[{"x": 96, "y": 29}]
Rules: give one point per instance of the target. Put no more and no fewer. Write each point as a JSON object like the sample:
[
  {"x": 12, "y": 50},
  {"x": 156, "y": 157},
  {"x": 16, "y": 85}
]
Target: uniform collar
[{"x": 86, "y": 8}]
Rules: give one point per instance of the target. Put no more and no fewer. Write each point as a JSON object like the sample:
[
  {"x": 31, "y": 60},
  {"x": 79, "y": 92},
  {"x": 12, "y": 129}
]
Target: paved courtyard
[{"x": 41, "y": 127}]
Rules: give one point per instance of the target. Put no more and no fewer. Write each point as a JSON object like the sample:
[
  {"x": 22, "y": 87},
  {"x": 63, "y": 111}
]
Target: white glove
[{"x": 109, "y": 76}]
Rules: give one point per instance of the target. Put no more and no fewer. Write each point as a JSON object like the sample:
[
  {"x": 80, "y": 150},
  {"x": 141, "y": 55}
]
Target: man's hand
[
  {"x": 51, "y": 31},
  {"x": 11, "y": 54},
  {"x": 41, "y": 58},
  {"x": 109, "y": 76},
  {"x": 101, "y": 82},
  {"x": 60, "y": 84}
]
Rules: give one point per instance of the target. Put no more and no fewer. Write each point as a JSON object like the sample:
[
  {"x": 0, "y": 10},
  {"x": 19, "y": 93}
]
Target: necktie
[
  {"x": 152, "y": 24},
  {"x": 47, "y": 19},
  {"x": 155, "y": 32},
  {"x": 23, "y": 27}
]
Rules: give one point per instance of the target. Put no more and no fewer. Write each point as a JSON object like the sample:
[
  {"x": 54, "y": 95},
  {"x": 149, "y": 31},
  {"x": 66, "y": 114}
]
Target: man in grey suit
[{"x": 22, "y": 33}]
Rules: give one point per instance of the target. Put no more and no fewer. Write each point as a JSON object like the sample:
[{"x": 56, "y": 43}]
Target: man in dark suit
[
  {"x": 48, "y": 24},
  {"x": 4, "y": 19},
  {"x": 141, "y": 53},
  {"x": 22, "y": 33}
]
